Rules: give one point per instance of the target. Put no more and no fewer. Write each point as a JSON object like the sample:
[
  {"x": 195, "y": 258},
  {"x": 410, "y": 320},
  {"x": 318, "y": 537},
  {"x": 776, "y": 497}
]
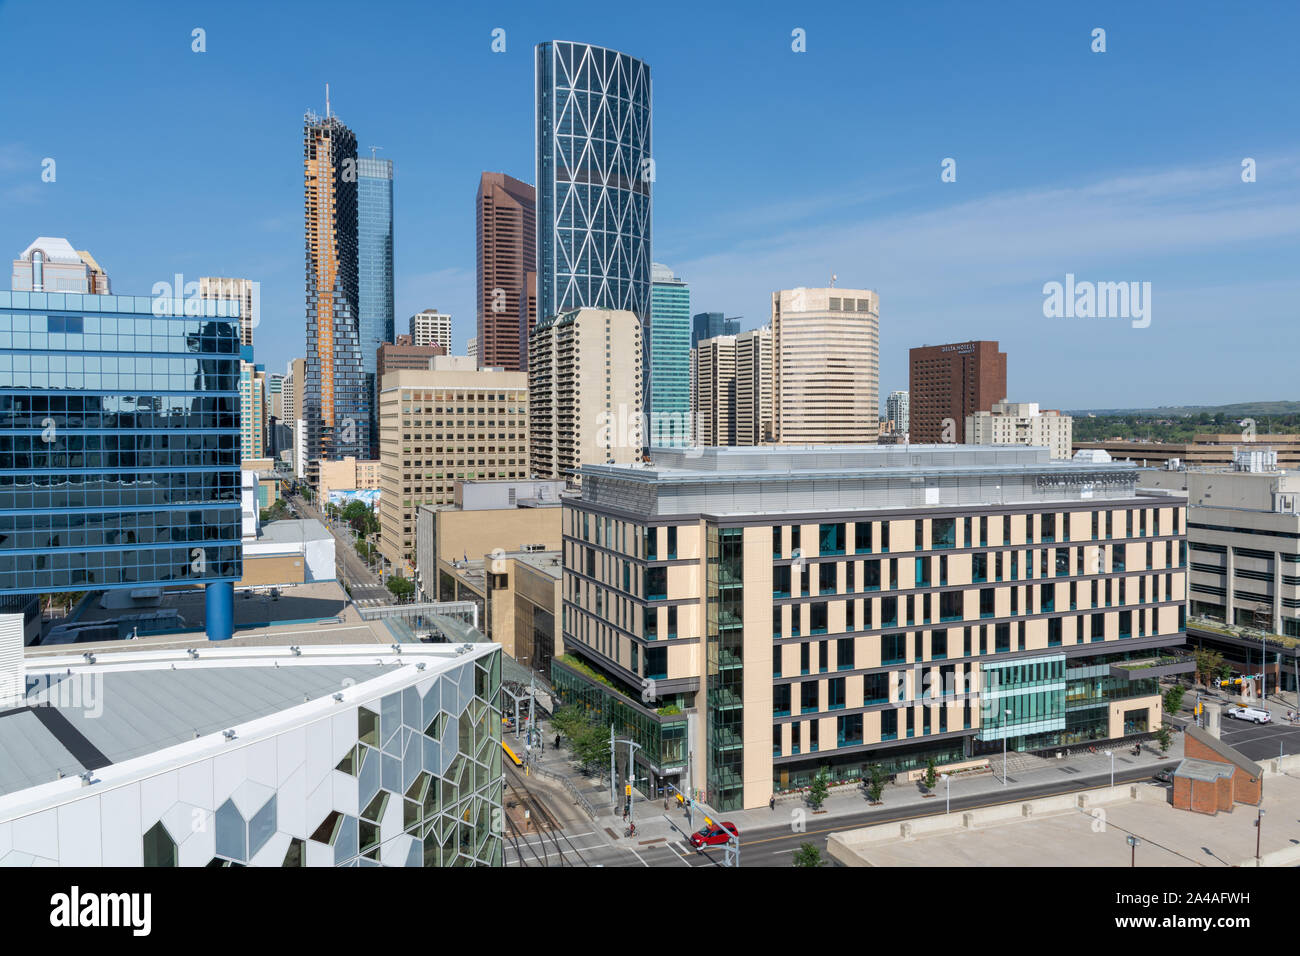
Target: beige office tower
[
  {"x": 431, "y": 327},
  {"x": 754, "y": 387},
  {"x": 50, "y": 264},
  {"x": 438, "y": 426},
  {"x": 584, "y": 378},
  {"x": 826, "y": 366},
  {"x": 245, "y": 290},
  {"x": 714, "y": 391},
  {"x": 1021, "y": 423}
]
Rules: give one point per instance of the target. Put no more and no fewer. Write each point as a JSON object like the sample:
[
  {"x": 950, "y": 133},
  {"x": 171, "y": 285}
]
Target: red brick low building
[{"x": 1213, "y": 776}]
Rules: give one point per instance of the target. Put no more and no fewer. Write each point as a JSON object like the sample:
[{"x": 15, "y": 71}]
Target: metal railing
[{"x": 583, "y": 803}]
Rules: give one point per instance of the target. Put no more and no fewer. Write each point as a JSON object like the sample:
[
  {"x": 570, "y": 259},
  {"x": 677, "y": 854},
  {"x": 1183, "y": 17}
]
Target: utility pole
[{"x": 613, "y": 797}]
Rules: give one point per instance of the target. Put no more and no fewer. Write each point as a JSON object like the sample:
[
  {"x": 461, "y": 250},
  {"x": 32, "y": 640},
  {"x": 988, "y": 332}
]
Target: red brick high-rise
[
  {"x": 952, "y": 381},
  {"x": 506, "y": 214}
]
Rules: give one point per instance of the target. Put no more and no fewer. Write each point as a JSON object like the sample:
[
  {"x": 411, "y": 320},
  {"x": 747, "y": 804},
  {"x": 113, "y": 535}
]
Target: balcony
[{"x": 1156, "y": 666}]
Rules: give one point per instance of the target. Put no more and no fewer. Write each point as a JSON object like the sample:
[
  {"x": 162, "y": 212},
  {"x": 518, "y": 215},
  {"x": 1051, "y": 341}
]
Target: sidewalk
[{"x": 1024, "y": 771}]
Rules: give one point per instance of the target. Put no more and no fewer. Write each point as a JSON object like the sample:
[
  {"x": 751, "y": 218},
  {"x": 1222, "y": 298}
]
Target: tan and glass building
[
  {"x": 584, "y": 380},
  {"x": 763, "y": 613},
  {"x": 437, "y": 426},
  {"x": 826, "y": 366}
]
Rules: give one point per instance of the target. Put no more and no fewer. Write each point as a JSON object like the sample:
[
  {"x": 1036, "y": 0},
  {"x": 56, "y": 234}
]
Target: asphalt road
[
  {"x": 364, "y": 585},
  {"x": 775, "y": 845}
]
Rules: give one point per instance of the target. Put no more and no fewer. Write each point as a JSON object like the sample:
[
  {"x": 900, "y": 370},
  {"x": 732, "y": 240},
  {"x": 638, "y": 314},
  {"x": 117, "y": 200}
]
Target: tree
[
  {"x": 808, "y": 855},
  {"x": 1164, "y": 736},
  {"x": 877, "y": 785},
  {"x": 1208, "y": 664},
  {"x": 1174, "y": 698},
  {"x": 931, "y": 775},
  {"x": 400, "y": 587},
  {"x": 817, "y": 792}
]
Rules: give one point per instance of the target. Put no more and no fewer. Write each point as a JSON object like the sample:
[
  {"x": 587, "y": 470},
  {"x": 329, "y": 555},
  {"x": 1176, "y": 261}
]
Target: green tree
[
  {"x": 808, "y": 855},
  {"x": 877, "y": 785},
  {"x": 400, "y": 588},
  {"x": 1208, "y": 664},
  {"x": 1174, "y": 698},
  {"x": 931, "y": 774},
  {"x": 1165, "y": 737},
  {"x": 818, "y": 790}
]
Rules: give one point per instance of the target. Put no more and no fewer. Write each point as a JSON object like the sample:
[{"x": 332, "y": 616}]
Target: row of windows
[
  {"x": 73, "y": 571},
  {"x": 54, "y": 342}
]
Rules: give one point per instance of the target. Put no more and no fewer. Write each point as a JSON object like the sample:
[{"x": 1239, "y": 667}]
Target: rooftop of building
[
  {"x": 119, "y": 715},
  {"x": 769, "y": 461},
  {"x": 292, "y": 531}
]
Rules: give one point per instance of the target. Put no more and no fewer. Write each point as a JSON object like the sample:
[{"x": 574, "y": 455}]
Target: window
[
  {"x": 889, "y": 725},
  {"x": 1047, "y": 527},
  {"x": 862, "y": 537},
  {"x": 776, "y": 621},
  {"x": 893, "y": 649},
  {"x": 835, "y": 694},
  {"x": 1046, "y": 597},
  {"x": 943, "y": 533},
  {"x": 986, "y": 602},
  {"x": 656, "y": 583},
  {"x": 884, "y": 536},
  {"x": 781, "y": 580},
  {"x": 651, "y": 623},
  {"x": 875, "y": 689},
  {"x": 922, "y": 572},
  {"x": 848, "y": 730},
  {"x": 808, "y": 697},
  {"x": 888, "y": 611},
  {"x": 871, "y": 575},
  {"x": 1053, "y": 632},
  {"x": 1002, "y": 638},
  {"x": 805, "y": 655},
  {"x": 781, "y": 700},
  {"x": 672, "y": 542},
  {"x": 826, "y": 577},
  {"x": 979, "y": 567},
  {"x": 844, "y": 654},
  {"x": 831, "y": 539},
  {"x": 950, "y": 606},
  {"x": 938, "y": 645},
  {"x": 776, "y": 541},
  {"x": 651, "y": 540},
  {"x": 823, "y": 656}
]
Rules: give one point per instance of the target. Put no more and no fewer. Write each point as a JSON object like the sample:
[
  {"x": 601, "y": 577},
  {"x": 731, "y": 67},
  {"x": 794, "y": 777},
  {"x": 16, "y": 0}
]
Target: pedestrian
[
  {"x": 771, "y": 803},
  {"x": 557, "y": 741}
]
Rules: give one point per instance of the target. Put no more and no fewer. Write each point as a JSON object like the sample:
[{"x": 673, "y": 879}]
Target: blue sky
[{"x": 774, "y": 168}]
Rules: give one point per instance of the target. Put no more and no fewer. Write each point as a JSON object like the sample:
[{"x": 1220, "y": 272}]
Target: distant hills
[{"x": 1238, "y": 410}]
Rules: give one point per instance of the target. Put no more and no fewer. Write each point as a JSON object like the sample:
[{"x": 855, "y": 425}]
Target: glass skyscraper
[
  {"x": 670, "y": 359},
  {"x": 709, "y": 325},
  {"x": 119, "y": 445},
  {"x": 335, "y": 405},
  {"x": 374, "y": 271},
  {"x": 594, "y": 175}
]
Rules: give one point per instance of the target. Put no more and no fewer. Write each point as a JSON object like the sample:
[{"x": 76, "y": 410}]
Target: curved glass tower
[{"x": 594, "y": 175}]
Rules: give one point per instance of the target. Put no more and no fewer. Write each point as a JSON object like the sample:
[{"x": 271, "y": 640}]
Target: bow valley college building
[{"x": 753, "y": 616}]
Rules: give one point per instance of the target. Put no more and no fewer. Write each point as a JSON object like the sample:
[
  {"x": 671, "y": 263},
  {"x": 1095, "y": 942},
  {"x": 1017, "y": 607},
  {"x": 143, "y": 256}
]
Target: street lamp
[
  {"x": 1259, "y": 828},
  {"x": 1004, "y": 749},
  {"x": 1111, "y": 755},
  {"x": 1133, "y": 843},
  {"x": 947, "y": 778}
]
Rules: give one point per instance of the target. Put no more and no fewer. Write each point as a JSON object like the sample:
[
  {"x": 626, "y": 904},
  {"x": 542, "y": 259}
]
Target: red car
[{"x": 716, "y": 835}]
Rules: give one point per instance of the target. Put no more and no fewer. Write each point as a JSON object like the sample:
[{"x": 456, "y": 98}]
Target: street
[{"x": 364, "y": 587}]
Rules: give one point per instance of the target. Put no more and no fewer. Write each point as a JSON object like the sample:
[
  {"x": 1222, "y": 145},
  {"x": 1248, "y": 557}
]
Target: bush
[
  {"x": 817, "y": 792},
  {"x": 1174, "y": 698},
  {"x": 877, "y": 785},
  {"x": 808, "y": 855}
]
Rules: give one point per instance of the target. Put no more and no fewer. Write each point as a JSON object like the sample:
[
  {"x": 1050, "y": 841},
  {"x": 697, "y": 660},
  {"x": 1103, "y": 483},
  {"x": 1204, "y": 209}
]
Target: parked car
[
  {"x": 716, "y": 835},
  {"x": 1253, "y": 714},
  {"x": 1164, "y": 776}
]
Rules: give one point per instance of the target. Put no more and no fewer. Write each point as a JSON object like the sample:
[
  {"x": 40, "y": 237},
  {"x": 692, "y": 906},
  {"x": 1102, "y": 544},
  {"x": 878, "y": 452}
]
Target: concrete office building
[
  {"x": 256, "y": 756},
  {"x": 249, "y": 294},
  {"x": 1243, "y": 532},
  {"x": 826, "y": 365},
  {"x": 1021, "y": 423},
  {"x": 335, "y": 402},
  {"x": 896, "y": 410},
  {"x": 486, "y": 516},
  {"x": 584, "y": 380},
  {"x": 845, "y": 606},
  {"x": 946, "y": 383},
  {"x": 439, "y": 426},
  {"x": 670, "y": 359},
  {"x": 714, "y": 414},
  {"x": 140, "y": 487},
  {"x": 1205, "y": 450},
  {"x": 754, "y": 387},
  {"x": 505, "y": 213},
  {"x": 50, "y": 264},
  {"x": 431, "y": 327}
]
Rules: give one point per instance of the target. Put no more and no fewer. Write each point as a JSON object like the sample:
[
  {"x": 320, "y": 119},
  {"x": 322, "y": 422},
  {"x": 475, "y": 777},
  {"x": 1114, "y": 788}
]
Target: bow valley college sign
[{"x": 1071, "y": 481}]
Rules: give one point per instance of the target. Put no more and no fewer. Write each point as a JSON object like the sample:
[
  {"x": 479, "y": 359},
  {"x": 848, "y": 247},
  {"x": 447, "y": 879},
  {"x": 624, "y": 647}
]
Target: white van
[{"x": 1251, "y": 713}]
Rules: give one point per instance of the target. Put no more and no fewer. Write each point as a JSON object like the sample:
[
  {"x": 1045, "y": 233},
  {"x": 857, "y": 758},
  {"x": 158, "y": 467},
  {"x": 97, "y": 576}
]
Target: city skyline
[{"x": 1037, "y": 197}]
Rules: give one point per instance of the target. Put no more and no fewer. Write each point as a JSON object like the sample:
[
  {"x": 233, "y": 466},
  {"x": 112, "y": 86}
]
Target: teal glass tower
[
  {"x": 670, "y": 359},
  {"x": 375, "y": 319}
]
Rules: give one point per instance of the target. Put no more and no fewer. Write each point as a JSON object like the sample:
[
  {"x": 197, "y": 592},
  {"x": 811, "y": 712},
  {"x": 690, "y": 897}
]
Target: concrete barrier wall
[{"x": 1281, "y": 765}]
